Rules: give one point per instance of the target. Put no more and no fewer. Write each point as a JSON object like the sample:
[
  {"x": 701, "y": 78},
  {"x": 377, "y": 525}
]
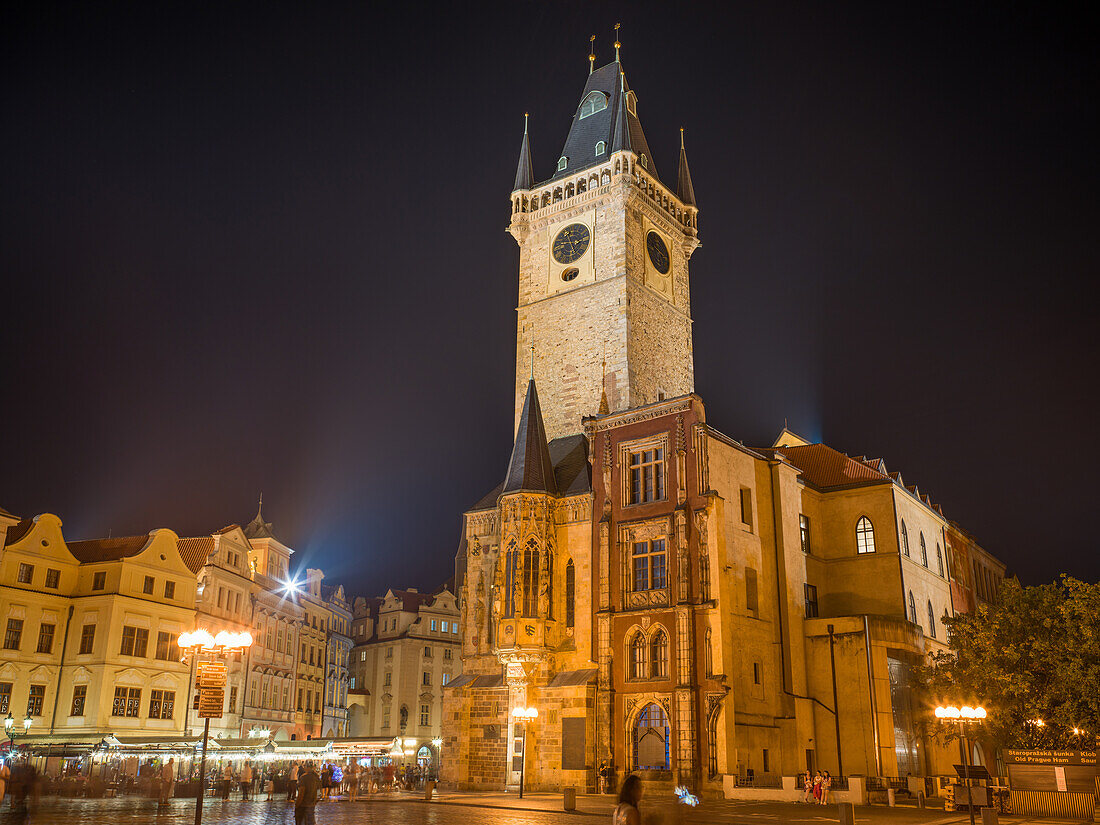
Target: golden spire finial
[
  {"x": 592, "y": 54},
  {"x": 618, "y": 45},
  {"x": 604, "y": 406},
  {"x": 681, "y": 137},
  {"x": 525, "y": 115}
]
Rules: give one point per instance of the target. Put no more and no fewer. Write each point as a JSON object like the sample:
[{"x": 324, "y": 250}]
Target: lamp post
[
  {"x": 215, "y": 647},
  {"x": 525, "y": 715},
  {"x": 10, "y": 729},
  {"x": 962, "y": 716},
  {"x": 437, "y": 743}
]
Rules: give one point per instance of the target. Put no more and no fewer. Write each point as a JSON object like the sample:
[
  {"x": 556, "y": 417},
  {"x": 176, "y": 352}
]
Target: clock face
[
  {"x": 571, "y": 243},
  {"x": 658, "y": 252}
]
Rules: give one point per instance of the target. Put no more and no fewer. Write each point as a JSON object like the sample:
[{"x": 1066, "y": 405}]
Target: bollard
[
  {"x": 848, "y": 813},
  {"x": 989, "y": 816},
  {"x": 429, "y": 790},
  {"x": 921, "y": 801},
  {"x": 570, "y": 800},
  {"x": 891, "y": 797}
]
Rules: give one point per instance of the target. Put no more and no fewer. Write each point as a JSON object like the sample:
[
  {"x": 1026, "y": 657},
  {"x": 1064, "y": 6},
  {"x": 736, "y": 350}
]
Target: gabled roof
[
  {"x": 196, "y": 552},
  {"x": 530, "y": 467},
  {"x": 113, "y": 549},
  {"x": 580, "y": 143},
  {"x": 411, "y": 601}
]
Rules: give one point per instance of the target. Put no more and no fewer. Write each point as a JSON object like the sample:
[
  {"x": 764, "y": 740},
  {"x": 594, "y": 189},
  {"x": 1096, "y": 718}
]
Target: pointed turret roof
[
  {"x": 258, "y": 528},
  {"x": 684, "y": 190},
  {"x": 585, "y": 133},
  {"x": 524, "y": 179},
  {"x": 530, "y": 467}
]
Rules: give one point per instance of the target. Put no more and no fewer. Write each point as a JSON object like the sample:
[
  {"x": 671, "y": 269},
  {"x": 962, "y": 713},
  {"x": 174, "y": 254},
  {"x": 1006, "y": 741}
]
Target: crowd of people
[{"x": 816, "y": 788}]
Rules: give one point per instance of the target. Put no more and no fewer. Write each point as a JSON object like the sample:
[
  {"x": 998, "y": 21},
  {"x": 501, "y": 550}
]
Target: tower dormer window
[
  {"x": 644, "y": 161},
  {"x": 595, "y": 102},
  {"x": 562, "y": 163},
  {"x": 632, "y": 103},
  {"x": 601, "y": 147}
]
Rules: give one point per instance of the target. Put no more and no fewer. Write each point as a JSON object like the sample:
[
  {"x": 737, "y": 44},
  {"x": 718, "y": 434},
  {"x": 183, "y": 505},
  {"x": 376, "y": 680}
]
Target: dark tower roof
[
  {"x": 258, "y": 528},
  {"x": 580, "y": 145},
  {"x": 684, "y": 190},
  {"x": 524, "y": 178},
  {"x": 530, "y": 467}
]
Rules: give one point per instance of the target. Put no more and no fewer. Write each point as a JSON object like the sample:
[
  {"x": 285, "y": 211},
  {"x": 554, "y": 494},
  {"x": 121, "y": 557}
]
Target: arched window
[
  {"x": 530, "y": 578},
  {"x": 708, "y": 653},
  {"x": 931, "y": 621},
  {"x": 939, "y": 559},
  {"x": 601, "y": 147},
  {"x": 912, "y": 609},
  {"x": 570, "y": 593},
  {"x": 659, "y": 658},
  {"x": 637, "y": 657},
  {"x": 595, "y": 102},
  {"x": 549, "y": 585},
  {"x": 651, "y": 739},
  {"x": 563, "y": 161},
  {"x": 510, "y": 580},
  {"x": 904, "y": 539},
  {"x": 632, "y": 103},
  {"x": 865, "y": 535},
  {"x": 642, "y": 159},
  {"x": 923, "y": 550}
]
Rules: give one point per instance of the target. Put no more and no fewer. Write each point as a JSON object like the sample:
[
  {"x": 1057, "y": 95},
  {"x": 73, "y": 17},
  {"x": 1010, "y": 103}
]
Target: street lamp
[
  {"x": 962, "y": 716},
  {"x": 437, "y": 743},
  {"x": 525, "y": 715},
  {"x": 10, "y": 729},
  {"x": 220, "y": 646}
]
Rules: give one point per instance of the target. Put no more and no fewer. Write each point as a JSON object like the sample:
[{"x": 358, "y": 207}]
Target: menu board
[{"x": 1057, "y": 771}]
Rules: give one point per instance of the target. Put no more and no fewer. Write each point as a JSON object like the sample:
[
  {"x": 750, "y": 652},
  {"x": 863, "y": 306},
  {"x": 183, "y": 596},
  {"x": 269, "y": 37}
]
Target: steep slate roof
[
  {"x": 530, "y": 467},
  {"x": 684, "y": 190},
  {"x": 196, "y": 552},
  {"x": 258, "y": 528},
  {"x": 411, "y": 602},
  {"x": 580, "y": 144},
  {"x": 113, "y": 549},
  {"x": 524, "y": 176},
  {"x": 822, "y": 466},
  {"x": 572, "y": 474}
]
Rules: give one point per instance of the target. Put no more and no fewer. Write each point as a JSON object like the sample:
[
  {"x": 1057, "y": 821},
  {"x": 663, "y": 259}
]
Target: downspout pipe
[
  {"x": 60, "y": 666},
  {"x": 871, "y": 690}
]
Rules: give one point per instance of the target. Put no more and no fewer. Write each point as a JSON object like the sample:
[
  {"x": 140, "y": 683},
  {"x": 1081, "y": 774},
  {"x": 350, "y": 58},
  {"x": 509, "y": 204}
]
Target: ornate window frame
[
  {"x": 639, "y": 445},
  {"x": 658, "y": 528}
]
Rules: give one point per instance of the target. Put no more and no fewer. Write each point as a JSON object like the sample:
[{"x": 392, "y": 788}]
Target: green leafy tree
[{"x": 1033, "y": 656}]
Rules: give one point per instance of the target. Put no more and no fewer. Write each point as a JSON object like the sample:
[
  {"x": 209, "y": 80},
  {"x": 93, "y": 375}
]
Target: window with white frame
[
  {"x": 865, "y": 536},
  {"x": 595, "y": 102}
]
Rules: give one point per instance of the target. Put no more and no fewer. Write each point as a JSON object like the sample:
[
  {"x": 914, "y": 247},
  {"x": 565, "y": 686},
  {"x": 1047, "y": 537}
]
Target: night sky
[{"x": 260, "y": 248}]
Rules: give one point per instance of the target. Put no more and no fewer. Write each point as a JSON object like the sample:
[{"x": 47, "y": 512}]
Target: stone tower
[{"x": 603, "y": 266}]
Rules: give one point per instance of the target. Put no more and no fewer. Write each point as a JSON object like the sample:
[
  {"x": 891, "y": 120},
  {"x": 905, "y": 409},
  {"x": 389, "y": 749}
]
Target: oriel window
[
  {"x": 650, "y": 560},
  {"x": 647, "y": 476}
]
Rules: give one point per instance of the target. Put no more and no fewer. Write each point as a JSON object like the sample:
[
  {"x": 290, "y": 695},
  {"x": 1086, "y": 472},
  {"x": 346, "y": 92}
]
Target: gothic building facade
[{"x": 672, "y": 602}]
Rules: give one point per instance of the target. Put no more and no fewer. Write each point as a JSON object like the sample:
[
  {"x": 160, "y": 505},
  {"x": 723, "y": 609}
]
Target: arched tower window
[
  {"x": 510, "y": 568},
  {"x": 939, "y": 559},
  {"x": 644, "y": 161},
  {"x": 931, "y": 621},
  {"x": 632, "y": 103},
  {"x": 904, "y": 539},
  {"x": 923, "y": 551},
  {"x": 570, "y": 593},
  {"x": 601, "y": 147},
  {"x": 562, "y": 163},
  {"x": 659, "y": 656},
  {"x": 865, "y": 536},
  {"x": 637, "y": 657},
  {"x": 651, "y": 739},
  {"x": 912, "y": 609},
  {"x": 708, "y": 652},
  {"x": 595, "y": 102},
  {"x": 530, "y": 578},
  {"x": 549, "y": 585}
]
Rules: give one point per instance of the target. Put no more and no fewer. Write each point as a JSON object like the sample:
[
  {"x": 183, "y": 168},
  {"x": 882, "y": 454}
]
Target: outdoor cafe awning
[
  {"x": 362, "y": 747},
  {"x": 58, "y": 744}
]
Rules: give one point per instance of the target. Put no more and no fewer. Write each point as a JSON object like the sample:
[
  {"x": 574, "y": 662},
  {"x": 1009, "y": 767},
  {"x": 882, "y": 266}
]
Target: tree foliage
[{"x": 1034, "y": 655}]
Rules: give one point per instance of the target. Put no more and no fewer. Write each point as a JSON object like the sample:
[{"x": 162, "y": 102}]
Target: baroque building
[{"x": 673, "y": 602}]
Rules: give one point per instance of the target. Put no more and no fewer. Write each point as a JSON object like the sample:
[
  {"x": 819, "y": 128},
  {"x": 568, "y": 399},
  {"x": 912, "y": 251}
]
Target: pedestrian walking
[
  {"x": 167, "y": 781},
  {"x": 246, "y": 781},
  {"x": 630, "y": 796},
  {"x": 292, "y": 781},
  {"x": 305, "y": 805},
  {"x": 352, "y": 775},
  {"x": 826, "y": 784},
  {"x": 227, "y": 781}
]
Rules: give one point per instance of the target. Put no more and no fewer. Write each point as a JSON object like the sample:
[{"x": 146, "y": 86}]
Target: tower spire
[
  {"x": 524, "y": 177},
  {"x": 592, "y": 54},
  {"x": 618, "y": 45},
  {"x": 684, "y": 190},
  {"x": 604, "y": 406}
]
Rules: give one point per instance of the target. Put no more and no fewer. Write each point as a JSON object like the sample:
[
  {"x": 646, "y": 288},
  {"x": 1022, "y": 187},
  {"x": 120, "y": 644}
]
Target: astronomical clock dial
[
  {"x": 658, "y": 252},
  {"x": 571, "y": 243}
]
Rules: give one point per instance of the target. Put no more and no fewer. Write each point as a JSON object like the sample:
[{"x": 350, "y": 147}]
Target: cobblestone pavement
[{"x": 461, "y": 809}]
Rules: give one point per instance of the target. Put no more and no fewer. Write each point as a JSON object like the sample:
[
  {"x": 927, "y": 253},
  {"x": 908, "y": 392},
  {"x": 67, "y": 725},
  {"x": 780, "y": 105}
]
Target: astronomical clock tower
[{"x": 604, "y": 324}]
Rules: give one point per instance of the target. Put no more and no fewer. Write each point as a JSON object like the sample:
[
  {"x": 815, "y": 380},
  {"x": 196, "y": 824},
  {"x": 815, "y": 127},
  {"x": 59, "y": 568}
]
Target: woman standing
[{"x": 626, "y": 812}]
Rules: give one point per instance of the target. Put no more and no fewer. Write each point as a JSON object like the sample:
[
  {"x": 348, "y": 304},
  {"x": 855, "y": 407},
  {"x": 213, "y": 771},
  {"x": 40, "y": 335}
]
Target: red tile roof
[
  {"x": 822, "y": 466},
  {"x": 17, "y": 531},
  {"x": 111, "y": 549},
  {"x": 195, "y": 552}
]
